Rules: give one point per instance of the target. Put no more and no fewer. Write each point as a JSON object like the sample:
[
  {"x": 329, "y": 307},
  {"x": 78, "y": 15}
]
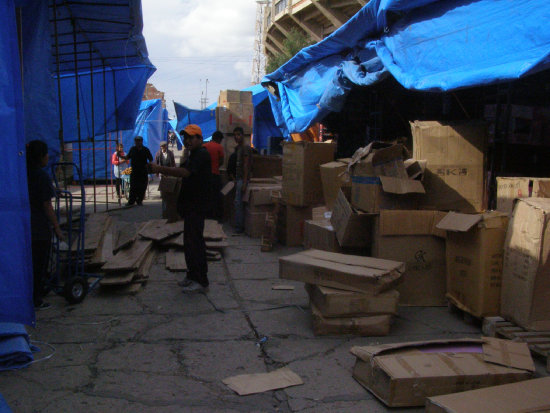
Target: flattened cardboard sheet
[{"x": 245, "y": 384}]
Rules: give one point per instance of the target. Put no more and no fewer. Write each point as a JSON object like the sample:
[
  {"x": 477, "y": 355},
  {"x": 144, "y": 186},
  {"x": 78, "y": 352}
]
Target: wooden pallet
[{"x": 538, "y": 341}]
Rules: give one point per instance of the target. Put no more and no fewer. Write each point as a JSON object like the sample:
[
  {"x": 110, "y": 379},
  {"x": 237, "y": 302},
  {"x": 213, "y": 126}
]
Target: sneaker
[
  {"x": 42, "y": 306},
  {"x": 194, "y": 288},
  {"x": 186, "y": 282}
]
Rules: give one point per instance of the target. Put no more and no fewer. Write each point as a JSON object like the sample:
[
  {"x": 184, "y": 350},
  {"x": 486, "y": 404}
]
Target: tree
[{"x": 295, "y": 41}]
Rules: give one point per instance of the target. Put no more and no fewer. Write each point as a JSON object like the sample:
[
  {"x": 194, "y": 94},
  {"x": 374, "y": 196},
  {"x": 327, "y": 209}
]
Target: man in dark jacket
[
  {"x": 138, "y": 156},
  {"x": 193, "y": 202}
]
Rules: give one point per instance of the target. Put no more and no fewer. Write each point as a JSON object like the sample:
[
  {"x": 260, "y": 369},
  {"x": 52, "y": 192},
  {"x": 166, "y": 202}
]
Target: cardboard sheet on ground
[{"x": 260, "y": 382}]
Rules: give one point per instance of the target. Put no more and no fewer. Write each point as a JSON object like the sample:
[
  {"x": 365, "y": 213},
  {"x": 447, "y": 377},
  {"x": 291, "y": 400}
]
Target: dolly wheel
[{"x": 76, "y": 289}]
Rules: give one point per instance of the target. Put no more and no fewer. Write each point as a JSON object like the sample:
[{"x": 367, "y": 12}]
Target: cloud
[{"x": 190, "y": 41}]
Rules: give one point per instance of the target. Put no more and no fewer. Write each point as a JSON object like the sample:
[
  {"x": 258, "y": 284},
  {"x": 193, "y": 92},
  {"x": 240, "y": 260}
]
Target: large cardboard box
[
  {"x": 320, "y": 235},
  {"x": 260, "y": 194},
  {"x": 254, "y": 220},
  {"x": 353, "y": 228},
  {"x": 509, "y": 189},
  {"x": 404, "y": 374},
  {"x": 290, "y": 224},
  {"x": 346, "y": 272},
  {"x": 412, "y": 237},
  {"x": 526, "y": 271},
  {"x": 231, "y": 115},
  {"x": 332, "y": 302},
  {"x": 301, "y": 174},
  {"x": 374, "y": 325},
  {"x": 333, "y": 177},
  {"x": 475, "y": 247},
  {"x": 524, "y": 396},
  {"x": 234, "y": 96},
  {"x": 267, "y": 166},
  {"x": 455, "y": 155}
]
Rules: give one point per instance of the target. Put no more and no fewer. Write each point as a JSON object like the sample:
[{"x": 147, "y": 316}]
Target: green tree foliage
[{"x": 295, "y": 41}]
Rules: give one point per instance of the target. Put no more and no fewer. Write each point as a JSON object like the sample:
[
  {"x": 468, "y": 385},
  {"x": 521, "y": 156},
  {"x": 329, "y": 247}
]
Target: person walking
[
  {"x": 243, "y": 165},
  {"x": 164, "y": 157},
  {"x": 139, "y": 155},
  {"x": 118, "y": 161},
  {"x": 215, "y": 150},
  {"x": 43, "y": 217},
  {"x": 193, "y": 199}
]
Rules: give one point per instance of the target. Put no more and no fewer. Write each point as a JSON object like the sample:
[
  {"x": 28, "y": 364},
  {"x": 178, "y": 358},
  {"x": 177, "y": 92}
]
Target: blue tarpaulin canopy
[
  {"x": 428, "y": 45},
  {"x": 71, "y": 51},
  {"x": 205, "y": 118}
]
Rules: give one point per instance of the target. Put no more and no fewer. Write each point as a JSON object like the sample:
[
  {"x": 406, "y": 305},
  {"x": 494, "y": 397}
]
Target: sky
[{"x": 190, "y": 41}]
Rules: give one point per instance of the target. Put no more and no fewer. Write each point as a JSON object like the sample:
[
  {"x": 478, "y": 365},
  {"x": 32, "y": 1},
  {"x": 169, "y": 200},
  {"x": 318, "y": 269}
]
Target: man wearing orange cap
[{"x": 193, "y": 203}]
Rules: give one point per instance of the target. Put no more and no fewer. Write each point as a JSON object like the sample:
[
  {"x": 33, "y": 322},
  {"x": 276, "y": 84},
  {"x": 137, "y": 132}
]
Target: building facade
[
  {"x": 317, "y": 18},
  {"x": 151, "y": 92}
]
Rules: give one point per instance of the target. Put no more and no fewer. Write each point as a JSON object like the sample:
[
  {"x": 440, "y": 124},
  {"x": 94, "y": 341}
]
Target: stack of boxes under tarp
[{"x": 348, "y": 294}]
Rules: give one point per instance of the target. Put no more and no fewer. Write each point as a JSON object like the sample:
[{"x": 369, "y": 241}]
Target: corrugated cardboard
[
  {"x": 374, "y": 325},
  {"x": 509, "y": 189},
  {"x": 522, "y": 397},
  {"x": 332, "y": 302},
  {"x": 404, "y": 374},
  {"x": 455, "y": 155},
  {"x": 254, "y": 221},
  {"x": 333, "y": 177},
  {"x": 353, "y": 228},
  {"x": 301, "y": 175},
  {"x": 475, "y": 246},
  {"x": 267, "y": 166},
  {"x": 412, "y": 237},
  {"x": 245, "y": 384},
  {"x": 346, "y": 272},
  {"x": 526, "y": 271},
  {"x": 234, "y": 96},
  {"x": 231, "y": 115},
  {"x": 259, "y": 194},
  {"x": 320, "y": 235},
  {"x": 290, "y": 224}
]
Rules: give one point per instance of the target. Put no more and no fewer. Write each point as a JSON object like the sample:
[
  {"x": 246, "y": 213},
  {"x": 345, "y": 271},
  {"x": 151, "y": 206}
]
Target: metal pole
[
  {"x": 93, "y": 123},
  {"x": 59, "y": 103},
  {"x": 77, "y": 99},
  {"x": 105, "y": 130}
]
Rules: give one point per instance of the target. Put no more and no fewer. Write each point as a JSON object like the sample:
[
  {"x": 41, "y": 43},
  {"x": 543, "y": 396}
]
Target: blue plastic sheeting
[
  {"x": 205, "y": 118},
  {"x": 16, "y": 303},
  {"x": 152, "y": 124},
  {"x": 4, "y": 408},
  {"x": 16, "y": 351},
  {"x": 264, "y": 125},
  {"x": 427, "y": 45}
]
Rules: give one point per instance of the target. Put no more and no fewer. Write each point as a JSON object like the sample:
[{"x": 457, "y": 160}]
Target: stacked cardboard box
[
  {"x": 259, "y": 203},
  {"x": 511, "y": 188},
  {"x": 333, "y": 177},
  {"x": 234, "y": 109},
  {"x": 348, "y": 294}
]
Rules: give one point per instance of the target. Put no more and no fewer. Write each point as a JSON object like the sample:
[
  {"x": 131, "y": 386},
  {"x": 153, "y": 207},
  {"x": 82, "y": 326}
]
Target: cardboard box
[
  {"x": 301, "y": 174},
  {"x": 533, "y": 397},
  {"x": 254, "y": 221},
  {"x": 290, "y": 224},
  {"x": 526, "y": 271},
  {"x": 455, "y": 155},
  {"x": 267, "y": 166},
  {"x": 234, "y": 96},
  {"x": 333, "y": 177},
  {"x": 320, "y": 235},
  {"x": 346, "y": 272},
  {"x": 475, "y": 246},
  {"x": 374, "y": 325},
  {"x": 404, "y": 374},
  {"x": 509, "y": 189},
  {"x": 332, "y": 302},
  {"x": 260, "y": 194},
  {"x": 231, "y": 115},
  {"x": 412, "y": 237},
  {"x": 353, "y": 228}
]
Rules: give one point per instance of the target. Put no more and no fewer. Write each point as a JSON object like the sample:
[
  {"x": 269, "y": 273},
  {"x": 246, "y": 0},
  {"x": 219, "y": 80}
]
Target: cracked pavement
[{"x": 163, "y": 351}]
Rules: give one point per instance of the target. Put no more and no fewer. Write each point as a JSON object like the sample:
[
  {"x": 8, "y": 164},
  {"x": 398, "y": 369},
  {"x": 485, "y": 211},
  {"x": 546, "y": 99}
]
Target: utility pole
[
  {"x": 204, "y": 97},
  {"x": 258, "y": 63}
]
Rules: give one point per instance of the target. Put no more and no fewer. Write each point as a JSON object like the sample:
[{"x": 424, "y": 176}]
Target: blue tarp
[
  {"x": 428, "y": 45},
  {"x": 4, "y": 408},
  {"x": 205, "y": 118},
  {"x": 16, "y": 303},
  {"x": 151, "y": 123},
  {"x": 16, "y": 351}
]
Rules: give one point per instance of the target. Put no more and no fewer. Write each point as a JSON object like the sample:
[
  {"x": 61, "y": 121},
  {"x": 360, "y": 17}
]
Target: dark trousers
[
  {"x": 40, "y": 259},
  {"x": 118, "y": 182},
  {"x": 138, "y": 186},
  {"x": 215, "y": 210},
  {"x": 195, "y": 247}
]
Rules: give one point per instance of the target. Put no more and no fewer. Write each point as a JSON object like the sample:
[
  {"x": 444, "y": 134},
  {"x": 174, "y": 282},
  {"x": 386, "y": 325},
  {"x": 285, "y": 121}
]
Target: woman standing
[
  {"x": 118, "y": 161},
  {"x": 43, "y": 217}
]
